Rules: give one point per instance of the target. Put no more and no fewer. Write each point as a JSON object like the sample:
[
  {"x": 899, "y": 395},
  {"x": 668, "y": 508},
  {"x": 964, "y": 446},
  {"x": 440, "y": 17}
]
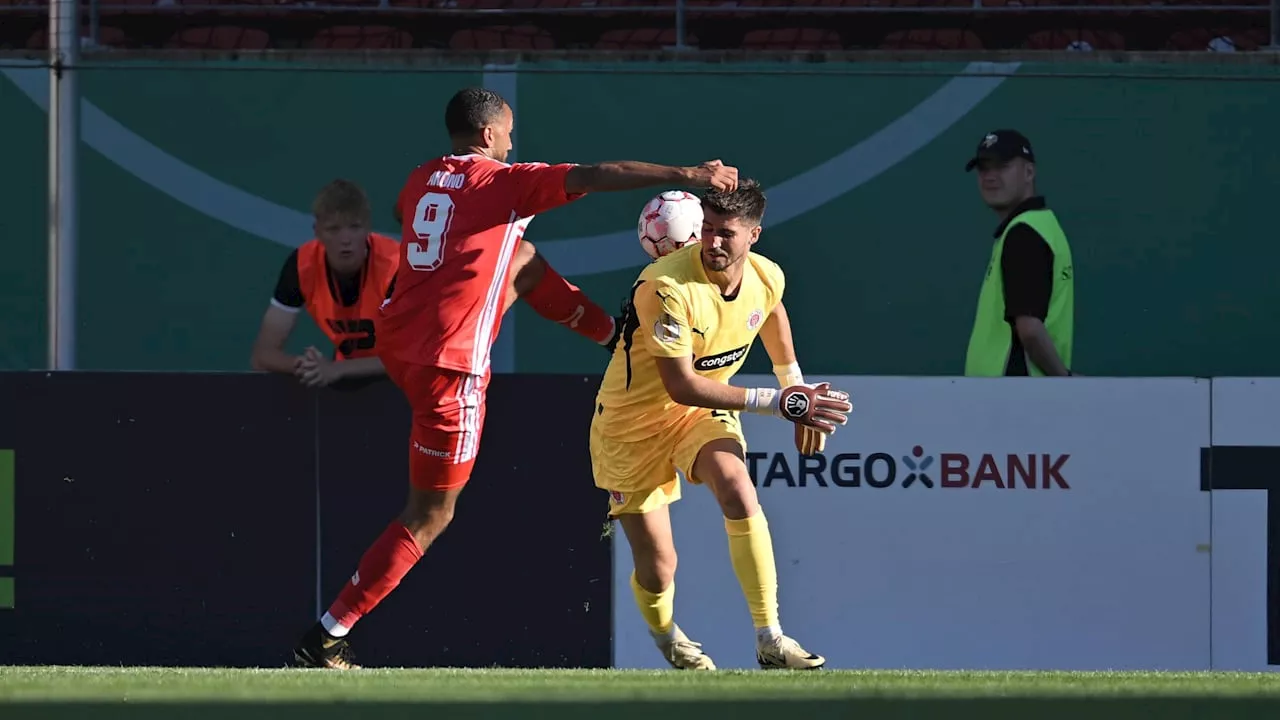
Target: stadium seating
[
  {"x": 650, "y": 25},
  {"x": 360, "y": 37}
]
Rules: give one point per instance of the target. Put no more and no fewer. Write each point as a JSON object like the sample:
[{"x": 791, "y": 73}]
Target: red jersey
[{"x": 463, "y": 217}]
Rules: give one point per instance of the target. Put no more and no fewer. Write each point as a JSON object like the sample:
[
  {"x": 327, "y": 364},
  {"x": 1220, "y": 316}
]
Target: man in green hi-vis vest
[{"x": 1026, "y": 309}]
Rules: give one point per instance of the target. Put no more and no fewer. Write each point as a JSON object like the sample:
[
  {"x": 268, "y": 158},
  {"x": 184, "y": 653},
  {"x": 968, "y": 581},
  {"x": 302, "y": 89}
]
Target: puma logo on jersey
[{"x": 721, "y": 360}]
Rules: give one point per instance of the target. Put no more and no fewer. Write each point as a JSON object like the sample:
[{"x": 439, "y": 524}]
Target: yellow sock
[
  {"x": 656, "y": 609},
  {"x": 751, "y": 550}
]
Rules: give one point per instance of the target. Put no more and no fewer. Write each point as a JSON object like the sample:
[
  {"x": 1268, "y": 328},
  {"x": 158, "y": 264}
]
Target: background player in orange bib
[
  {"x": 341, "y": 277},
  {"x": 665, "y": 405},
  {"x": 463, "y": 217}
]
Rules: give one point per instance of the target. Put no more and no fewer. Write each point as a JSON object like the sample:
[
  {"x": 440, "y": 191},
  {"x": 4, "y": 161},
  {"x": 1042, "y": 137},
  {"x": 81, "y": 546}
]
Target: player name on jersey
[{"x": 448, "y": 180}]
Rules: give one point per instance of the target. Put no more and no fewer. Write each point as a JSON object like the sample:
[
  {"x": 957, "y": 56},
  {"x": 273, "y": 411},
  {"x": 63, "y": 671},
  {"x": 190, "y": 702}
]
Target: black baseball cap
[{"x": 1001, "y": 145}]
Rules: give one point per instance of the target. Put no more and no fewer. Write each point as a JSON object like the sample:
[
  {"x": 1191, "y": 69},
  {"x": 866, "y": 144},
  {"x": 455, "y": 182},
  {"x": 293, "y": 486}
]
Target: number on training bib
[{"x": 431, "y": 221}]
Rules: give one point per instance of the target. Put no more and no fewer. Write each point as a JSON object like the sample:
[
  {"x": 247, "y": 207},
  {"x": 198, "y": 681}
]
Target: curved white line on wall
[
  {"x": 576, "y": 256},
  {"x": 166, "y": 173},
  {"x": 889, "y": 146}
]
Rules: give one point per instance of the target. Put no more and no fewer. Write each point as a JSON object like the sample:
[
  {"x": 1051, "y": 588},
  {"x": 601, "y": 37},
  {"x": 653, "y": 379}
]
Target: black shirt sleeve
[
  {"x": 1027, "y": 264},
  {"x": 288, "y": 287}
]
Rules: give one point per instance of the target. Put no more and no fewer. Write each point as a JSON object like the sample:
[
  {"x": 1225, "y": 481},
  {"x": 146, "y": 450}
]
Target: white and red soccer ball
[{"x": 669, "y": 222}]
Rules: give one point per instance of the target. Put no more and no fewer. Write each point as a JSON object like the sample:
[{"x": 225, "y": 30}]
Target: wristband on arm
[
  {"x": 788, "y": 375},
  {"x": 764, "y": 401}
]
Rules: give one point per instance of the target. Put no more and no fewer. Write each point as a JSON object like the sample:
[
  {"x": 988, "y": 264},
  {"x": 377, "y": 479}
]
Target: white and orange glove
[{"x": 816, "y": 409}]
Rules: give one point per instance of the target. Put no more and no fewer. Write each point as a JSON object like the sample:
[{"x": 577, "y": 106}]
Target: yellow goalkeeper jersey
[{"x": 676, "y": 311}]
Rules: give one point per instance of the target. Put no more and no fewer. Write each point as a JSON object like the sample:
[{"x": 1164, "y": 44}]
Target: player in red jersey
[{"x": 463, "y": 216}]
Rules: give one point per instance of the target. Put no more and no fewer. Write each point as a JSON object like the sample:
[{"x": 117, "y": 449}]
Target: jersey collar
[{"x": 1035, "y": 202}]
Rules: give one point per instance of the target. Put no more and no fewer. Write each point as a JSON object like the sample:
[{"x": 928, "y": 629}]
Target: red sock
[
  {"x": 383, "y": 566},
  {"x": 560, "y": 301}
]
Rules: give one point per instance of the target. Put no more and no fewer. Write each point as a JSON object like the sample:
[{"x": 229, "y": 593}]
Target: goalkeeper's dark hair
[
  {"x": 746, "y": 203},
  {"x": 472, "y": 109}
]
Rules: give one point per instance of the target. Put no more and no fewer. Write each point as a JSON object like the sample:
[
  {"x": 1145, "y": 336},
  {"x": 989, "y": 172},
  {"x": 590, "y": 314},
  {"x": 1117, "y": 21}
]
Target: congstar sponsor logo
[
  {"x": 915, "y": 470},
  {"x": 720, "y": 360}
]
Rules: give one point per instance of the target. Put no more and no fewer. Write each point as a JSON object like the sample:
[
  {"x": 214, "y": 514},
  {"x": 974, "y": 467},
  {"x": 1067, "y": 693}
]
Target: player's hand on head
[
  {"x": 718, "y": 176},
  {"x": 815, "y": 406}
]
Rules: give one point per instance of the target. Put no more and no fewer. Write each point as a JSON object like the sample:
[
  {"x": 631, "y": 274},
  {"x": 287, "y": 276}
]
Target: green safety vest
[{"x": 992, "y": 338}]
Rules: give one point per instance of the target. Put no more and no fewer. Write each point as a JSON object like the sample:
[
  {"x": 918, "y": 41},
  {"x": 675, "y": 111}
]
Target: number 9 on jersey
[{"x": 431, "y": 221}]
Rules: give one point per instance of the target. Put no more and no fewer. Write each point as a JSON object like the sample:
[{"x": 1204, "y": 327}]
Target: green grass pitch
[{"x": 63, "y": 693}]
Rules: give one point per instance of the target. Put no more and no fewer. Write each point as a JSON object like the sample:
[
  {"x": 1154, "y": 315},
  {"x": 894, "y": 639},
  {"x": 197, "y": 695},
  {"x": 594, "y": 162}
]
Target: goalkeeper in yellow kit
[{"x": 665, "y": 405}]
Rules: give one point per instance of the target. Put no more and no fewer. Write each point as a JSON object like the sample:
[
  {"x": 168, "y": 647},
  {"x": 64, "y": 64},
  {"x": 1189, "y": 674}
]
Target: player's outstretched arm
[{"x": 632, "y": 175}]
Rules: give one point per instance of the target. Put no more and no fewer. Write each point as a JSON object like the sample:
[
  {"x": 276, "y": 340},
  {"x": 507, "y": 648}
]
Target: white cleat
[
  {"x": 683, "y": 653},
  {"x": 783, "y": 653}
]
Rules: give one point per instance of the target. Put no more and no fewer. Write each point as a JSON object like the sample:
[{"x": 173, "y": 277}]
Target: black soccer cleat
[{"x": 319, "y": 649}]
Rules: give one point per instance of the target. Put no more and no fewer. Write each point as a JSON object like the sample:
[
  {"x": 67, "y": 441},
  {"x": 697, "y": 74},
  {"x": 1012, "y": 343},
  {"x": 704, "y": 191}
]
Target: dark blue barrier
[{"x": 200, "y": 519}]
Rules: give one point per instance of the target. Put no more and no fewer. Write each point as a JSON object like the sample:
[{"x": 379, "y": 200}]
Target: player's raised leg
[
  {"x": 653, "y": 583},
  {"x": 721, "y": 467},
  {"x": 555, "y": 298},
  {"x": 447, "y": 422}
]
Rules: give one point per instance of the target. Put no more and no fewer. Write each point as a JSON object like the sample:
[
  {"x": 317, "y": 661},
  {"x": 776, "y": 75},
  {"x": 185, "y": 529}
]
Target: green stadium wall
[{"x": 195, "y": 181}]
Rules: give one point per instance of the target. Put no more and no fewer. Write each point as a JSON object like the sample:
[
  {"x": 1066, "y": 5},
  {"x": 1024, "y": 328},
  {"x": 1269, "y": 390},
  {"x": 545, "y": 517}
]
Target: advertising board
[
  {"x": 966, "y": 523},
  {"x": 1240, "y": 470}
]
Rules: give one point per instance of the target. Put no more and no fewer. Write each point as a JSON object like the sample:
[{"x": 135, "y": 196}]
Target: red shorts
[{"x": 448, "y": 417}]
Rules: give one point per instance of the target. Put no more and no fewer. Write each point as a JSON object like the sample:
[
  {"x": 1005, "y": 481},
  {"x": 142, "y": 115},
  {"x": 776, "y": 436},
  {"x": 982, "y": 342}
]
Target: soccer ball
[{"x": 668, "y": 222}]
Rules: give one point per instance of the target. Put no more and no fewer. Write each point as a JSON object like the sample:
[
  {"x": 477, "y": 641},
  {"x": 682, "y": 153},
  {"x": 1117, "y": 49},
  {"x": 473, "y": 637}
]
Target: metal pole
[
  {"x": 64, "y": 137},
  {"x": 1275, "y": 24},
  {"x": 680, "y": 24}
]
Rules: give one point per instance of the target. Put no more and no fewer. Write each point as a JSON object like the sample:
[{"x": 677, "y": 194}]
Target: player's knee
[
  {"x": 525, "y": 252},
  {"x": 653, "y": 550},
  {"x": 731, "y": 484},
  {"x": 720, "y": 467},
  {"x": 737, "y": 496},
  {"x": 428, "y": 513},
  {"x": 656, "y": 568},
  {"x": 529, "y": 267}
]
